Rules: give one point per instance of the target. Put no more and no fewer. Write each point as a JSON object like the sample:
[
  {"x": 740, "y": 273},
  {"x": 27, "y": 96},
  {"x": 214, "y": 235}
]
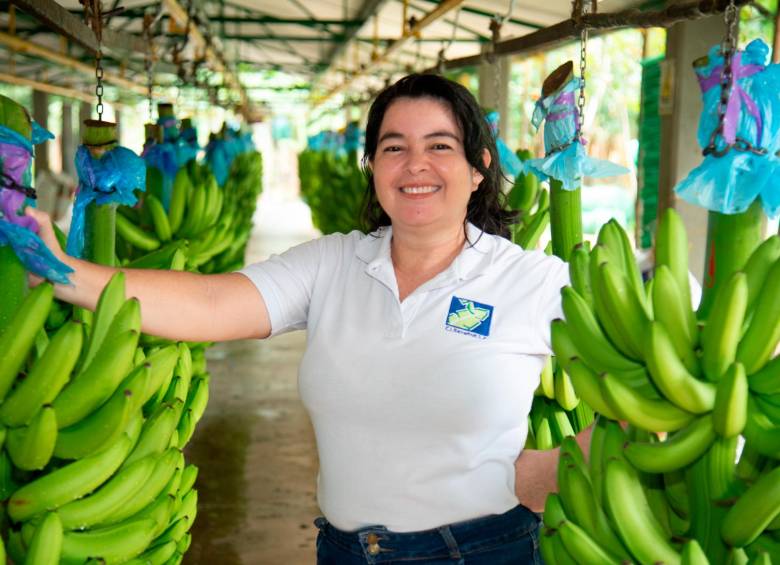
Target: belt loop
[
  {"x": 320, "y": 522},
  {"x": 452, "y": 545}
]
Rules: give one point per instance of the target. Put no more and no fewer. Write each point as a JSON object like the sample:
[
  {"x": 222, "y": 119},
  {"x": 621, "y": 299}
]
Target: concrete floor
[{"x": 255, "y": 446}]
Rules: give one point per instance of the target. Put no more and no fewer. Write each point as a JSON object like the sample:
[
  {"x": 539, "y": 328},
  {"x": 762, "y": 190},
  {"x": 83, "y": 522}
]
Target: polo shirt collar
[{"x": 473, "y": 260}]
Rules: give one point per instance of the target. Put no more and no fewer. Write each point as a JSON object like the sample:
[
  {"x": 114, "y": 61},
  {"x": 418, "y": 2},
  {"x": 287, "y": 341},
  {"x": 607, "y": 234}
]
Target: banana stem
[
  {"x": 565, "y": 218},
  {"x": 13, "y": 277},
  {"x": 706, "y": 514},
  {"x": 100, "y": 244},
  {"x": 731, "y": 238}
]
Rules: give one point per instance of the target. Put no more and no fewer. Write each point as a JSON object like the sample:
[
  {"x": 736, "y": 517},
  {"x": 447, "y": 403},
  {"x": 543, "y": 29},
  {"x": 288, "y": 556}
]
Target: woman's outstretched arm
[{"x": 174, "y": 305}]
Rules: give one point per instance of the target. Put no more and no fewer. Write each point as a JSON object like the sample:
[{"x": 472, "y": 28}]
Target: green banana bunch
[
  {"x": 638, "y": 353},
  {"x": 113, "y": 471}
]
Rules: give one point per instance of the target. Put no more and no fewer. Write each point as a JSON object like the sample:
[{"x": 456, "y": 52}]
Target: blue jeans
[{"x": 511, "y": 538}]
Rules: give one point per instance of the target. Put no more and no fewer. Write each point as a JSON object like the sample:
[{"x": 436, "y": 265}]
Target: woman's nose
[{"x": 417, "y": 161}]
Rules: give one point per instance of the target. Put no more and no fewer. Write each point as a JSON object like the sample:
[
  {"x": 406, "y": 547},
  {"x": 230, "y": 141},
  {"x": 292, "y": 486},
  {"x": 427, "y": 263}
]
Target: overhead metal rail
[
  {"x": 409, "y": 33},
  {"x": 570, "y": 29}
]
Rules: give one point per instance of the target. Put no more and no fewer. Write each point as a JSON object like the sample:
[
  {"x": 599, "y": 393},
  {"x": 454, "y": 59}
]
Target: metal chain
[
  {"x": 583, "y": 67},
  {"x": 99, "y": 87},
  {"x": 727, "y": 49},
  {"x": 148, "y": 62}
]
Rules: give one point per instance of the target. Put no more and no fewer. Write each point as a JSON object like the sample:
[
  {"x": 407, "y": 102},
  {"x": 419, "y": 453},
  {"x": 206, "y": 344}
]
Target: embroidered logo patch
[{"x": 469, "y": 317}]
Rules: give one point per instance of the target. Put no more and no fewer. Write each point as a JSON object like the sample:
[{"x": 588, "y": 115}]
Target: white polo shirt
[{"x": 419, "y": 407}]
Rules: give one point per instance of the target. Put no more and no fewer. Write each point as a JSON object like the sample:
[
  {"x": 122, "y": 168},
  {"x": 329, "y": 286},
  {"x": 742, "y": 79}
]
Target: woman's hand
[{"x": 46, "y": 233}]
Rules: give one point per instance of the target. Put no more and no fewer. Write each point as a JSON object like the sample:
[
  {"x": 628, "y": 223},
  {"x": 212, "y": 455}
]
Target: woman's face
[{"x": 421, "y": 175}]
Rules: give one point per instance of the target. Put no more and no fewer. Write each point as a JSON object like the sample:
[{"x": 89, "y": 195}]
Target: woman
[{"x": 425, "y": 340}]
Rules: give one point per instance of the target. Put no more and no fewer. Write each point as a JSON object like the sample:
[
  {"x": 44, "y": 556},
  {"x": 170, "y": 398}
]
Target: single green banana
[
  {"x": 184, "y": 430},
  {"x": 174, "y": 532},
  {"x": 622, "y": 253},
  {"x": 581, "y": 507},
  {"x": 671, "y": 249},
  {"x": 588, "y": 387},
  {"x": 671, "y": 376},
  {"x": 678, "y": 451},
  {"x": 720, "y": 336},
  {"x": 189, "y": 505},
  {"x": 46, "y": 378},
  {"x": 155, "y": 556},
  {"x": 564, "y": 390},
  {"x": 552, "y": 549},
  {"x": 553, "y": 513},
  {"x": 626, "y": 306},
  {"x": 97, "y": 508},
  {"x": 722, "y": 469},
  {"x": 595, "y": 349},
  {"x": 649, "y": 414},
  {"x": 543, "y": 434},
  {"x": 111, "y": 299},
  {"x": 164, "y": 470},
  {"x": 134, "y": 235},
  {"x": 547, "y": 380},
  {"x": 763, "y": 334},
  {"x": 606, "y": 317},
  {"x": 19, "y": 335},
  {"x": 31, "y": 447},
  {"x": 162, "y": 363},
  {"x": 67, "y": 483},
  {"x": 182, "y": 185},
  {"x": 528, "y": 238},
  {"x": 677, "y": 316},
  {"x": 162, "y": 226},
  {"x": 753, "y": 511},
  {"x": 580, "y": 544},
  {"x": 579, "y": 273},
  {"x": 693, "y": 554},
  {"x": 7, "y": 482},
  {"x": 46, "y": 543},
  {"x": 184, "y": 543},
  {"x": 106, "y": 423},
  {"x": 767, "y": 379},
  {"x": 750, "y": 464},
  {"x": 189, "y": 475},
  {"x": 161, "y": 510},
  {"x": 156, "y": 432},
  {"x": 114, "y": 544},
  {"x": 632, "y": 517},
  {"x": 560, "y": 426},
  {"x": 761, "y": 433},
  {"x": 731, "y": 402},
  {"x": 93, "y": 386},
  {"x": 758, "y": 266}
]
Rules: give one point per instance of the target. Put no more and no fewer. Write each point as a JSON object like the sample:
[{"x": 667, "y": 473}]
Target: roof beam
[
  {"x": 409, "y": 33},
  {"x": 22, "y": 46},
  {"x": 51, "y": 88},
  {"x": 340, "y": 37},
  {"x": 57, "y": 18},
  {"x": 215, "y": 58},
  {"x": 478, "y": 12}
]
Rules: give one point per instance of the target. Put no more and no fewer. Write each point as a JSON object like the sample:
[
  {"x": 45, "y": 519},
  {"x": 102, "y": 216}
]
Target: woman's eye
[
  {"x": 441, "y": 146},
  {"x": 391, "y": 149}
]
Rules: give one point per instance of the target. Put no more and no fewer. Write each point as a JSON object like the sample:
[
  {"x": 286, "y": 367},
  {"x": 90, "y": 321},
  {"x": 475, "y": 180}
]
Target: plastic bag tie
[{"x": 737, "y": 93}]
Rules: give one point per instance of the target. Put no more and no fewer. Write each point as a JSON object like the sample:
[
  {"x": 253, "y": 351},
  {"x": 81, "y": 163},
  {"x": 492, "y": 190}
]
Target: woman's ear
[{"x": 486, "y": 157}]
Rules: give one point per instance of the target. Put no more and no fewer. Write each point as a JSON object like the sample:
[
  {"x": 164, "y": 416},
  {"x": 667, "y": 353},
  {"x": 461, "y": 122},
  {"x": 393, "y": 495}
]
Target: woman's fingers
[{"x": 46, "y": 230}]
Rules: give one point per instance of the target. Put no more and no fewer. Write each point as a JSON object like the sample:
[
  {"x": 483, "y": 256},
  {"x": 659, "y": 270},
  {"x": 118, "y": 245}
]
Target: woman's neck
[{"x": 418, "y": 257}]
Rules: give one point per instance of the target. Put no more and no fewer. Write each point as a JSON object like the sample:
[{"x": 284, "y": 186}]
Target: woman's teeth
[{"x": 419, "y": 189}]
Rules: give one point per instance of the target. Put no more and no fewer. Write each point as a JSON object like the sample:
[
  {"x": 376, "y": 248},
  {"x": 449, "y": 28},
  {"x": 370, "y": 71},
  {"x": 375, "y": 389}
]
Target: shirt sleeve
[{"x": 286, "y": 283}]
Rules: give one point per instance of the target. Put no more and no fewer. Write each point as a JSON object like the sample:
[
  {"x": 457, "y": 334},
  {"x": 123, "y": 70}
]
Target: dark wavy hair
[{"x": 486, "y": 208}]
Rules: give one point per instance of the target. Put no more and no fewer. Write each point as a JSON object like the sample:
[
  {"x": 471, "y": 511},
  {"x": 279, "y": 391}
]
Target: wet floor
[{"x": 255, "y": 446}]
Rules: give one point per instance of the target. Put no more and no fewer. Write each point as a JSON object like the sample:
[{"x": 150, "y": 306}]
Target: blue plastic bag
[
  {"x": 108, "y": 180},
  {"x": 730, "y": 183},
  {"x": 510, "y": 163},
  {"x": 565, "y": 157},
  {"x": 164, "y": 157},
  {"x": 17, "y": 230}
]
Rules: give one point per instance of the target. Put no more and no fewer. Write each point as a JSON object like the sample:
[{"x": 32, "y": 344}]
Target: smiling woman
[
  {"x": 425, "y": 340},
  {"x": 433, "y": 124}
]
